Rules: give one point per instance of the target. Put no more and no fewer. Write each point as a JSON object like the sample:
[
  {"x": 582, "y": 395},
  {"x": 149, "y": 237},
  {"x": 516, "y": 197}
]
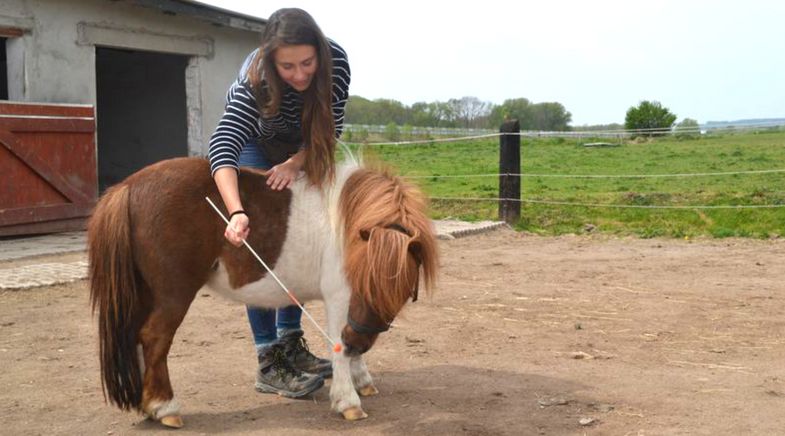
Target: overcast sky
[{"x": 706, "y": 60}]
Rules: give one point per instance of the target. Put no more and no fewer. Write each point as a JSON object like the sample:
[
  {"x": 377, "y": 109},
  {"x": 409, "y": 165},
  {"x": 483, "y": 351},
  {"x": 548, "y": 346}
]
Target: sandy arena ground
[{"x": 525, "y": 335}]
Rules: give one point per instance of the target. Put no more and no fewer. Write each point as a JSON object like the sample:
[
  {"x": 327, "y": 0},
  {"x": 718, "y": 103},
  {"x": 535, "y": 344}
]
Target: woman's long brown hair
[{"x": 294, "y": 26}]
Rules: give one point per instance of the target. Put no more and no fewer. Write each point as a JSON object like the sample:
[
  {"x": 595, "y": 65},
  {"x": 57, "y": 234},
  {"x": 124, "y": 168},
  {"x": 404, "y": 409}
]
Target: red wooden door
[{"x": 48, "y": 180}]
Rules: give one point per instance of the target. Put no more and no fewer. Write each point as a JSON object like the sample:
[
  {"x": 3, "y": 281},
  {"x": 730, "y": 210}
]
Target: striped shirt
[{"x": 241, "y": 121}]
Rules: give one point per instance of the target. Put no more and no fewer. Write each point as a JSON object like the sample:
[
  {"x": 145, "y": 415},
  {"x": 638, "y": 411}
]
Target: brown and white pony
[{"x": 359, "y": 245}]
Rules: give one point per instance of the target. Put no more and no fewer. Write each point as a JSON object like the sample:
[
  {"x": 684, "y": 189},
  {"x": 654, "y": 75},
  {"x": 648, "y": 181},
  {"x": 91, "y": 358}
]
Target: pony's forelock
[{"x": 376, "y": 204}]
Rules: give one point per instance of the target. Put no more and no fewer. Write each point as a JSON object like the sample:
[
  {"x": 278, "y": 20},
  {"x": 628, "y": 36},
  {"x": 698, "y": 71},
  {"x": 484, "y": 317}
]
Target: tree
[
  {"x": 513, "y": 109},
  {"x": 436, "y": 114},
  {"x": 688, "y": 129},
  {"x": 649, "y": 115},
  {"x": 469, "y": 111},
  {"x": 444, "y": 112},
  {"x": 550, "y": 117},
  {"x": 420, "y": 114},
  {"x": 390, "y": 110},
  {"x": 360, "y": 110},
  {"x": 466, "y": 112}
]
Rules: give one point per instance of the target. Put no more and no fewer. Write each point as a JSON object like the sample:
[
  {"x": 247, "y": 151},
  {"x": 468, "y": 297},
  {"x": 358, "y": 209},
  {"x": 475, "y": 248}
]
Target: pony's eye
[{"x": 365, "y": 234}]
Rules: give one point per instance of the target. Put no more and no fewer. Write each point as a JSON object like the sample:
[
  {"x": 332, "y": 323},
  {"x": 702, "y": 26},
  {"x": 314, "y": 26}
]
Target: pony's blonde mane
[{"x": 373, "y": 204}]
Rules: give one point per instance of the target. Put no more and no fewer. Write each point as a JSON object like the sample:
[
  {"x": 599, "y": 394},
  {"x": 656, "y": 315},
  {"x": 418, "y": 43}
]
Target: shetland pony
[{"x": 360, "y": 244}]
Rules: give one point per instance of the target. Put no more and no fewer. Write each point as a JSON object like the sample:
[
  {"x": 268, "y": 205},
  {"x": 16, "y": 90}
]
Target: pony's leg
[
  {"x": 361, "y": 378},
  {"x": 156, "y": 338},
  {"x": 343, "y": 397}
]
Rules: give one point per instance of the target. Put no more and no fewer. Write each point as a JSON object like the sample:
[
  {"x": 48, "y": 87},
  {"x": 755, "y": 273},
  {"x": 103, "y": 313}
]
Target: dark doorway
[
  {"x": 3, "y": 71},
  {"x": 141, "y": 111}
]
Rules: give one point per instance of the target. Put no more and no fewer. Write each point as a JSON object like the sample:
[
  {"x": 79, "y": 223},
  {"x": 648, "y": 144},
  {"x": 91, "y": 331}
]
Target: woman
[{"x": 284, "y": 113}]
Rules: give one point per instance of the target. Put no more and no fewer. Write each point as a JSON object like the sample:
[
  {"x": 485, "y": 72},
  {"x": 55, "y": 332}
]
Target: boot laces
[
  {"x": 282, "y": 365},
  {"x": 300, "y": 346}
]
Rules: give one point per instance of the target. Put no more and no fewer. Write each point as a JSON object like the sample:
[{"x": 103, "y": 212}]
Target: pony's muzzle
[
  {"x": 355, "y": 343},
  {"x": 351, "y": 351}
]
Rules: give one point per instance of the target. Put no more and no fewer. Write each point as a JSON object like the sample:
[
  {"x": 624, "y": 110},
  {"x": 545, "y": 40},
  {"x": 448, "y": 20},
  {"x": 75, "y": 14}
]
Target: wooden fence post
[{"x": 509, "y": 170}]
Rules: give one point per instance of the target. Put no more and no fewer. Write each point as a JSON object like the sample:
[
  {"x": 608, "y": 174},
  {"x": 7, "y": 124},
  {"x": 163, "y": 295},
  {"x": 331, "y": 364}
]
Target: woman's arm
[
  {"x": 236, "y": 126},
  {"x": 226, "y": 180}
]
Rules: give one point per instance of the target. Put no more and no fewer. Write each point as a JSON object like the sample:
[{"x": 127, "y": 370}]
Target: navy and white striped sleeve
[
  {"x": 341, "y": 78},
  {"x": 239, "y": 123}
]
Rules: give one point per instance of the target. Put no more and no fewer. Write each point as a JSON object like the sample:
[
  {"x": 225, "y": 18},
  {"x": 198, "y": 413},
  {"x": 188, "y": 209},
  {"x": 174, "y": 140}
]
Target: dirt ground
[{"x": 525, "y": 335}]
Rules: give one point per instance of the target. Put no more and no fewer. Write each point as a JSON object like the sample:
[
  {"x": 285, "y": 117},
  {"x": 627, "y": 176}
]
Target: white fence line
[
  {"x": 459, "y": 134},
  {"x": 416, "y": 130}
]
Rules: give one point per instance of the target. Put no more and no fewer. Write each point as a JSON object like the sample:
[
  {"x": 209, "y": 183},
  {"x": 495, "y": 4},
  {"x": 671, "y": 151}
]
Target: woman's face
[{"x": 296, "y": 65}]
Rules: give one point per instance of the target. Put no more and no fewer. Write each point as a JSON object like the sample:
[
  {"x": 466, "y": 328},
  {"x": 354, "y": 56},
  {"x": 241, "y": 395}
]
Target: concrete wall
[{"x": 54, "y": 61}]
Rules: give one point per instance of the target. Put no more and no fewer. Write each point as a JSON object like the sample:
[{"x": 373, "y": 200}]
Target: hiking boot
[
  {"x": 301, "y": 358},
  {"x": 277, "y": 375}
]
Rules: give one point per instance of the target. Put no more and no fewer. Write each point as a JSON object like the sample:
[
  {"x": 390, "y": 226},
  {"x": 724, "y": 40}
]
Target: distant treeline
[{"x": 465, "y": 112}]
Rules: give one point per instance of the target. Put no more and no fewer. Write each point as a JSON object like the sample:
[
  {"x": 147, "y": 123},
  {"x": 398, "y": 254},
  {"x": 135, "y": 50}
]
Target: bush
[
  {"x": 687, "y": 129},
  {"x": 407, "y": 131},
  {"x": 392, "y": 132},
  {"x": 361, "y": 135},
  {"x": 649, "y": 115}
]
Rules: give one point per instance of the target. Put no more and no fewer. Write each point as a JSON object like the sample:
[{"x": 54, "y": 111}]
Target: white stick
[{"x": 272, "y": 274}]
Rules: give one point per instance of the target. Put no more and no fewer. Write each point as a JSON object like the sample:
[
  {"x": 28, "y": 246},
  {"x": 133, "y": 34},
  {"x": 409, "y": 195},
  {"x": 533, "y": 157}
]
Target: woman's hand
[
  {"x": 283, "y": 175},
  {"x": 237, "y": 230}
]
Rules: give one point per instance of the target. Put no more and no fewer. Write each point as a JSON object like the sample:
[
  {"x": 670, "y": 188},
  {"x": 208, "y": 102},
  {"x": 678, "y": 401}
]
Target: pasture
[
  {"x": 646, "y": 188},
  {"x": 565, "y": 335}
]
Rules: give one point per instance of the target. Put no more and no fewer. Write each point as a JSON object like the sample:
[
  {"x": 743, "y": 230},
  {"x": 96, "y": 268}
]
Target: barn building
[{"x": 93, "y": 90}]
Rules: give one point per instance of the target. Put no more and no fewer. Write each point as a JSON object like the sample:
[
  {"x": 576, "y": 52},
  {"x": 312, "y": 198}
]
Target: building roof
[{"x": 202, "y": 11}]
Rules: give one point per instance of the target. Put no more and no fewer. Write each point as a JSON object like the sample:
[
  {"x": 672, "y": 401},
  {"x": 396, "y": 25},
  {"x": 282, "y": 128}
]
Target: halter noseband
[{"x": 366, "y": 330}]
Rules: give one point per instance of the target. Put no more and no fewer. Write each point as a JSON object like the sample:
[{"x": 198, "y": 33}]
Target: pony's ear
[{"x": 365, "y": 234}]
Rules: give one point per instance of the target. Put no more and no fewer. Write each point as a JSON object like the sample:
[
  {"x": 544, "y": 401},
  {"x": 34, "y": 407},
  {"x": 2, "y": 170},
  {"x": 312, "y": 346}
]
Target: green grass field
[{"x": 541, "y": 159}]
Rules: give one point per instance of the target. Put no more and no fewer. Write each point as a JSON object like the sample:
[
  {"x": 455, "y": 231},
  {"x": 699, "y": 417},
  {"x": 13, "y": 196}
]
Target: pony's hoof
[
  {"x": 368, "y": 391},
  {"x": 173, "y": 421},
  {"x": 354, "y": 413}
]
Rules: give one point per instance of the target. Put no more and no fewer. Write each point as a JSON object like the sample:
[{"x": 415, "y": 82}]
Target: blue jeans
[{"x": 264, "y": 325}]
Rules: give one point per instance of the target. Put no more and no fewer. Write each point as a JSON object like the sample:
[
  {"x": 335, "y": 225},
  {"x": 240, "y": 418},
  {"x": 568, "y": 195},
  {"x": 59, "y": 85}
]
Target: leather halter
[
  {"x": 369, "y": 330},
  {"x": 364, "y": 329}
]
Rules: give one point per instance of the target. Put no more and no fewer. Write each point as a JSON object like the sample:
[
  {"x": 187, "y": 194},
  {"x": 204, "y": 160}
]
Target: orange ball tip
[{"x": 337, "y": 348}]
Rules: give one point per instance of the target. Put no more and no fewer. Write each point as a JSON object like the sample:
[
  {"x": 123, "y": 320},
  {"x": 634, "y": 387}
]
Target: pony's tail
[{"x": 114, "y": 294}]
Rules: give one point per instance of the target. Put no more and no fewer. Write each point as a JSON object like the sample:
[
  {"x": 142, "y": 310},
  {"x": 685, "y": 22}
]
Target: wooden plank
[
  {"x": 45, "y": 213},
  {"x": 60, "y": 225},
  {"x": 21, "y": 185},
  {"x": 44, "y": 170},
  {"x": 11, "y": 32},
  {"x": 14, "y": 123},
  {"x": 37, "y": 109}
]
